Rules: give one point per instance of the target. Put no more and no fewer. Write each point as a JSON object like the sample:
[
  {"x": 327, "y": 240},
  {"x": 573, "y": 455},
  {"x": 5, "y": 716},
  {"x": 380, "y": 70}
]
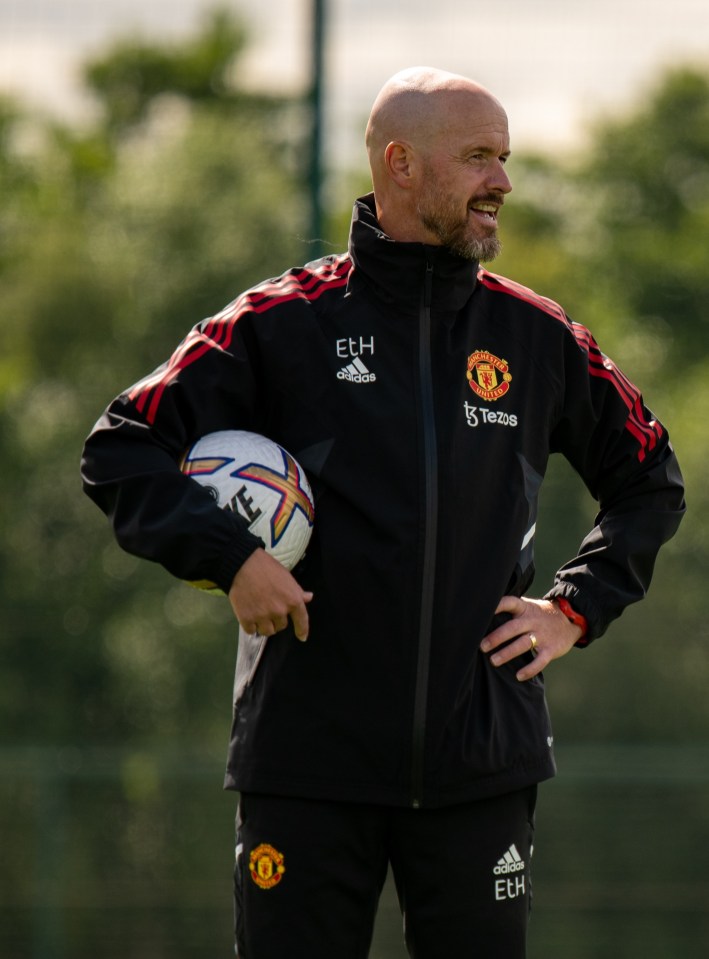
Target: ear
[{"x": 398, "y": 157}]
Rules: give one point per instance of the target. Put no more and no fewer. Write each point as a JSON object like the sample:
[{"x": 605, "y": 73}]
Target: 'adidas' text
[
  {"x": 510, "y": 862},
  {"x": 356, "y": 372}
]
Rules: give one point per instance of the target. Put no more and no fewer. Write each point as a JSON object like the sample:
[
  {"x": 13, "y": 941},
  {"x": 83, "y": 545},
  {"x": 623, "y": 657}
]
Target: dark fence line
[{"x": 128, "y": 852}]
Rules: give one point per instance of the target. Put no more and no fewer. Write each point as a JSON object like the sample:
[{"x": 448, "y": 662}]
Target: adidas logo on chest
[
  {"x": 356, "y": 372},
  {"x": 353, "y": 349}
]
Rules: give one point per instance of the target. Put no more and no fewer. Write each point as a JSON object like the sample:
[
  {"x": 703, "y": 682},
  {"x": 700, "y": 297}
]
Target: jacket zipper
[{"x": 430, "y": 533}]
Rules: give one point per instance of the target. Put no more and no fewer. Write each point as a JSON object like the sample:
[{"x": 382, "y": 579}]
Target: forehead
[{"x": 468, "y": 120}]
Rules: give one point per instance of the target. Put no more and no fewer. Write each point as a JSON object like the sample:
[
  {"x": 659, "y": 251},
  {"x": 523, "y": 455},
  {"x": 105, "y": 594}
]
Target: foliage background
[{"x": 116, "y": 680}]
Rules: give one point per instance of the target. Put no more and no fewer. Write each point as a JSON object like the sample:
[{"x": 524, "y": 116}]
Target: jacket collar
[{"x": 395, "y": 271}]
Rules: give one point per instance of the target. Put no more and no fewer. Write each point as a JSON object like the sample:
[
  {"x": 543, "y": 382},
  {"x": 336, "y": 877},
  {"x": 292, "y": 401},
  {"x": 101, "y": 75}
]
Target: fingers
[
  {"x": 515, "y": 605},
  {"x": 264, "y": 596},
  {"x": 542, "y": 658},
  {"x": 521, "y": 622},
  {"x": 264, "y": 626},
  {"x": 299, "y": 616},
  {"x": 535, "y": 626},
  {"x": 271, "y": 623},
  {"x": 520, "y": 646}
]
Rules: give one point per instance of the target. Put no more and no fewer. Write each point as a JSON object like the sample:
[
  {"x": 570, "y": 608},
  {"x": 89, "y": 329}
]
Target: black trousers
[{"x": 309, "y": 874}]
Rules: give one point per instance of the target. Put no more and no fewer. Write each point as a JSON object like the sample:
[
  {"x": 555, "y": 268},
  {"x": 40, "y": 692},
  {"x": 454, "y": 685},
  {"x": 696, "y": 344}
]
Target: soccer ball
[{"x": 256, "y": 478}]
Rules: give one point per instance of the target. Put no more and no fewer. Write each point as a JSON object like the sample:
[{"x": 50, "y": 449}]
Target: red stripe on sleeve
[
  {"x": 218, "y": 332},
  {"x": 599, "y": 365}
]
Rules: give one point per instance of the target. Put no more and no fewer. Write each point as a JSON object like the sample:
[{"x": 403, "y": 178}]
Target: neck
[{"x": 403, "y": 225}]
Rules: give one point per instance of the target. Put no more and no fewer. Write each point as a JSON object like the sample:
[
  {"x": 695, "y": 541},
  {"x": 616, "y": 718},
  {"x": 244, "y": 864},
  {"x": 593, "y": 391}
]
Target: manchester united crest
[
  {"x": 489, "y": 377},
  {"x": 266, "y": 866}
]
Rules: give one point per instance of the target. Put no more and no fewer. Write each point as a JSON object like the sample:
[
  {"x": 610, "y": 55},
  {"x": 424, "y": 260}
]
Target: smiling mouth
[{"x": 485, "y": 211}]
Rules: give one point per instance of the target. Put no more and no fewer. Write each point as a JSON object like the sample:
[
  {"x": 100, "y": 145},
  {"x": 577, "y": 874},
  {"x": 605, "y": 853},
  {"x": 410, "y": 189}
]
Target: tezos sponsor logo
[{"x": 475, "y": 415}]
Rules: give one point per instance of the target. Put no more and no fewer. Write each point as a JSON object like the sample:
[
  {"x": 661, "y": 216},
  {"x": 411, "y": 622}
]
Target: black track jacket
[{"x": 423, "y": 397}]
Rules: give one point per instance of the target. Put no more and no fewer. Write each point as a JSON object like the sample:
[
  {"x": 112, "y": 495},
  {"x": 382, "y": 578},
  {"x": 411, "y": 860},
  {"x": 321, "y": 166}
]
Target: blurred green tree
[
  {"x": 114, "y": 240},
  {"x": 203, "y": 69},
  {"x": 619, "y": 236},
  {"x": 650, "y": 178},
  {"x": 112, "y": 244}
]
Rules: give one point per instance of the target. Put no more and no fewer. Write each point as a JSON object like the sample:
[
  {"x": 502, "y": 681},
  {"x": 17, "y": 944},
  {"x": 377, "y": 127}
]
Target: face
[{"x": 464, "y": 183}]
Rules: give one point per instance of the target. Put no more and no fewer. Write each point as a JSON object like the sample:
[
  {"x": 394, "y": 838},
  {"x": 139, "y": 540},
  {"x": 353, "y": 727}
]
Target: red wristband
[{"x": 576, "y": 618}]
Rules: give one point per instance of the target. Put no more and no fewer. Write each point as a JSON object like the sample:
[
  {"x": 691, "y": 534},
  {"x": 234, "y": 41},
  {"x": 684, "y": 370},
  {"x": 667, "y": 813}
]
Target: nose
[{"x": 499, "y": 180}]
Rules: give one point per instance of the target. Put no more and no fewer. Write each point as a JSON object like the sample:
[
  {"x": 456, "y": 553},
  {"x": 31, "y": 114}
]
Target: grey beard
[
  {"x": 450, "y": 236},
  {"x": 482, "y": 250}
]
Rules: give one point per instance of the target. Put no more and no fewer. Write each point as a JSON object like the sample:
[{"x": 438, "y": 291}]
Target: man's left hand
[{"x": 535, "y": 625}]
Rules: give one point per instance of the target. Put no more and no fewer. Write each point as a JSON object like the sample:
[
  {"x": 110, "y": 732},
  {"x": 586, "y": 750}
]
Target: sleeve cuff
[
  {"x": 233, "y": 558},
  {"x": 583, "y": 611}
]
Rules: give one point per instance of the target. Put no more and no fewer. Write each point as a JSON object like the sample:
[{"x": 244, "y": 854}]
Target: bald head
[
  {"x": 417, "y": 106},
  {"x": 430, "y": 129}
]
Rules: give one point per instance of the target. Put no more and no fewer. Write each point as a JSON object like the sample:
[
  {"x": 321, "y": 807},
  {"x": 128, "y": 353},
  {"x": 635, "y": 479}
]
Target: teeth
[{"x": 485, "y": 207}]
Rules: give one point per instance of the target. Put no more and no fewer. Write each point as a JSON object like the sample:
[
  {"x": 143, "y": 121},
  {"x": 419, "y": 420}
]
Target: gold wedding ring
[{"x": 533, "y": 643}]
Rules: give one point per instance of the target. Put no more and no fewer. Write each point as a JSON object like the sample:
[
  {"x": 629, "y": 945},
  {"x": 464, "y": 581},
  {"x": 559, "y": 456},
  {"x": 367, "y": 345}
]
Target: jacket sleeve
[
  {"x": 624, "y": 456},
  {"x": 131, "y": 460}
]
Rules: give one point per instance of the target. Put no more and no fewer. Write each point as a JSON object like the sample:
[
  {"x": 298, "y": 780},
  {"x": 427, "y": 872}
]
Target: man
[{"x": 411, "y": 728}]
